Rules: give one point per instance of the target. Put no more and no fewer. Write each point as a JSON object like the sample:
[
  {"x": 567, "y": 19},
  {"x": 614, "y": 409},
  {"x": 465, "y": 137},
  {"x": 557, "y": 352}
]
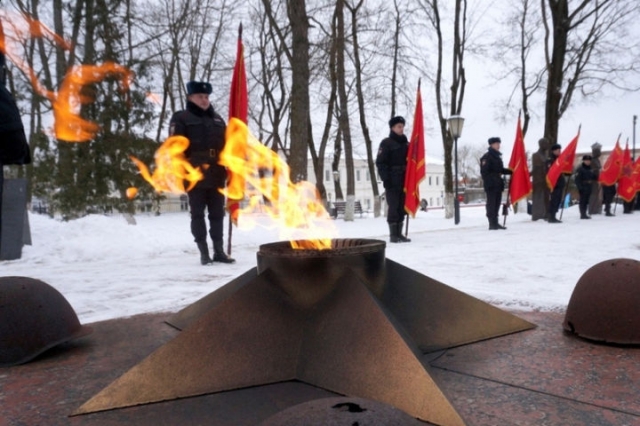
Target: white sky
[{"x": 108, "y": 269}]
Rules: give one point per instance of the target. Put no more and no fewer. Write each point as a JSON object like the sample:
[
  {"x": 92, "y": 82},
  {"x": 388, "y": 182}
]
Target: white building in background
[{"x": 431, "y": 188}]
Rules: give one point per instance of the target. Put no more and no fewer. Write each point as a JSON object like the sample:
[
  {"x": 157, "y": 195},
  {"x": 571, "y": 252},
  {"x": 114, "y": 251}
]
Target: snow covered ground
[{"x": 107, "y": 268}]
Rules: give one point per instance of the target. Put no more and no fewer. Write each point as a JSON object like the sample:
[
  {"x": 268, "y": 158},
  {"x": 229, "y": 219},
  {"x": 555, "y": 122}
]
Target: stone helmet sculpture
[{"x": 34, "y": 317}]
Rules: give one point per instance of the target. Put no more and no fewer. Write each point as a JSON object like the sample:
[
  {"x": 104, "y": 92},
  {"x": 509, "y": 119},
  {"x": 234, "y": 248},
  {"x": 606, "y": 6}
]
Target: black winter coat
[
  {"x": 561, "y": 179},
  {"x": 492, "y": 169},
  {"x": 205, "y": 130},
  {"x": 13, "y": 143},
  {"x": 391, "y": 160},
  {"x": 584, "y": 177}
]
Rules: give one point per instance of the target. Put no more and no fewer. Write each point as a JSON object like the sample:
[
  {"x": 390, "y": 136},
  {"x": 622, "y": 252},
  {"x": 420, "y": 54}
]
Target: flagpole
[
  {"x": 566, "y": 186},
  {"x": 229, "y": 234},
  {"x": 505, "y": 206},
  {"x": 414, "y": 161},
  {"x": 230, "y": 228}
]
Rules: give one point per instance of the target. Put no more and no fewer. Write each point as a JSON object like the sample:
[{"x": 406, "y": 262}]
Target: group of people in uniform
[
  {"x": 546, "y": 202},
  {"x": 205, "y": 130}
]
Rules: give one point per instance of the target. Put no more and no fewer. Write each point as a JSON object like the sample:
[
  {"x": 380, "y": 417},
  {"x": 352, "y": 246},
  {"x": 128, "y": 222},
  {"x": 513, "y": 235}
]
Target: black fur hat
[
  {"x": 494, "y": 140},
  {"x": 199, "y": 87},
  {"x": 555, "y": 146},
  {"x": 395, "y": 120},
  {"x": 586, "y": 157}
]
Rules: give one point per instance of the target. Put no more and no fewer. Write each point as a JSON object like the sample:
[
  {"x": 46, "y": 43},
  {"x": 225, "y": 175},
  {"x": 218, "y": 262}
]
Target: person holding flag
[
  {"x": 520, "y": 185},
  {"x": 391, "y": 163},
  {"x": 626, "y": 182},
  {"x": 609, "y": 176},
  {"x": 560, "y": 164},
  {"x": 557, "y": 190},
  {"x": 492, "y": 169},
  {"x": 205, "y": 130}
]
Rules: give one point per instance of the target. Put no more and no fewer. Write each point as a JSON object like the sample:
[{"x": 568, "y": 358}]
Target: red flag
[
  {"x": 636, "y": 175},
  {"x": 520, "y": 185},
  {"x": 626, "y": 183},
  {"x": 612, "y": 168},
  {"x": 238, "y": 108},
  {"x": 416, "y": 168},
  {"x": 564, "y": 163}
]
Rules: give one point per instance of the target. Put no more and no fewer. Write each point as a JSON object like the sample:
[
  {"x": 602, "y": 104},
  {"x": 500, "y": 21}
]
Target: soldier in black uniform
[
  {"x": 608, "y": 194},
  {"x": 205, "y": 130},
  {"x": 556, "y": 194},
  {"x": 391, "y": 162},
  {"x": 492, "y": 169},
  {"x": 585, "y": 177}
]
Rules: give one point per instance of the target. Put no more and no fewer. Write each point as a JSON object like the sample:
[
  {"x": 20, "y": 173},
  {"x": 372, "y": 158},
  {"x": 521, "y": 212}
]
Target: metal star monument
[{"x": 346, "y": 320}]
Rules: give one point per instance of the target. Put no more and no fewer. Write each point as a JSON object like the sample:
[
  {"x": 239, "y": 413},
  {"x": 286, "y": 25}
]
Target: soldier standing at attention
[{"x": 492, "y": 169}]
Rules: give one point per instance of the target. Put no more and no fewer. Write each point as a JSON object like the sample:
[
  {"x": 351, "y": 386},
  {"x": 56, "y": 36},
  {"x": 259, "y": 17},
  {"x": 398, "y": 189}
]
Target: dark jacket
[
  {"x": 585, "y": 176},
  {"x": 13, "y": 143},
  {"x": 391, "y": 160},
  {"x": 492, "y": 169},
  {"x": 205, "y": 130},
  {"x": 561, "y": 179}
]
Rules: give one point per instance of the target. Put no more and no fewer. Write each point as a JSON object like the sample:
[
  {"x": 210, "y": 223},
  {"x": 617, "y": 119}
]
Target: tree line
[{"x": 321, "y": 73}]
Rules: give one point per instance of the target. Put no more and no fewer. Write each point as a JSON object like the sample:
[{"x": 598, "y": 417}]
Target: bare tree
[
  {"x": 458, "y": 81},
  {"x": 524, "y": 21},
  {"x": 354, "y": 9},
  {"x": 469, "y": 164},
  {"x": 343, "y": 102},
  {"x": 271, "y": 77},
  {"x": 300, "y": 108},
  {"x": 587, "y": 47}
]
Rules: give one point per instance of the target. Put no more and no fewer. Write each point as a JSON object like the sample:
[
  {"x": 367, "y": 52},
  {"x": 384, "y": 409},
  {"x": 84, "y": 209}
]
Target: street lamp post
[{"x": 455, "y": 123}]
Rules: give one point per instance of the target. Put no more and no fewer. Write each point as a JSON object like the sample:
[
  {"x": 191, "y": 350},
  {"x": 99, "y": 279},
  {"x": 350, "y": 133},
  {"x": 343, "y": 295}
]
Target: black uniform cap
[
  {"x": 395, "y": 120},
  {"x": 199, "y": 87}
]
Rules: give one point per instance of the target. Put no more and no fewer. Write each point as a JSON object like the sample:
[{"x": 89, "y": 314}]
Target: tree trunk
[
  {"x": 555, "y": 68},
  {"x": 343, "y": 118},
  {"x": 300, "y": 108}
]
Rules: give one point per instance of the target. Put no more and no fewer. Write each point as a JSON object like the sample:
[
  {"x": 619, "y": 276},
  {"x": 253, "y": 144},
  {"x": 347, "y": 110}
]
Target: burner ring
[{"x": 339, "y": 247}]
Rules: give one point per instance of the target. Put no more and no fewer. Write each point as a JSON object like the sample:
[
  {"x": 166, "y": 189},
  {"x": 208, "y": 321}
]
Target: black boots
[
  {"x": 395, "y": 233},
  {"x": 219, "y": 255},
  {"x": 494, "y": 225},
  {"x": 204, "y": 253},
  {"x": 401, "y": 237},
  {"x": 552, "y": 219},
  {"x": 583, "y": 213}
]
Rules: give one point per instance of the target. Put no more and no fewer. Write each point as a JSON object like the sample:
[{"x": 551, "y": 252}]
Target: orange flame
[
  {"x": 154, "y": 98},
  {"x": 132, "y": 192},
  {"x": 172, "y": 167},
  {"x": 296, "y": 209},
  {"x": 69, "y": 126},
  {"x": 66, "y": 102}
]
